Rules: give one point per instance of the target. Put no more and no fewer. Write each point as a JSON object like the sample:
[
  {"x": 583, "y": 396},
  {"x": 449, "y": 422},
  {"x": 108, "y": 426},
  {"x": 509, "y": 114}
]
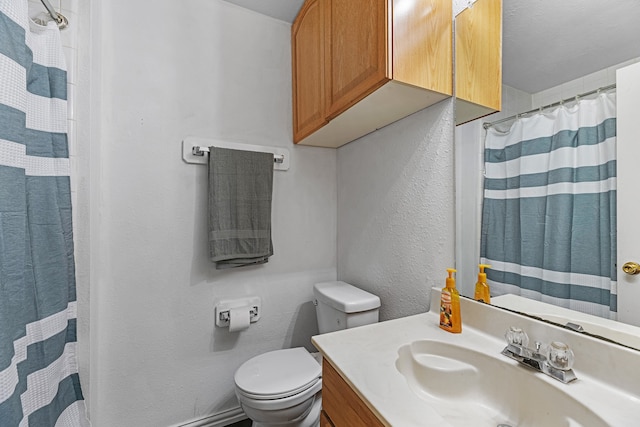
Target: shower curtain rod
[
  {"x": 487, "y": 125},
  {"x": 58, "y": 17}
]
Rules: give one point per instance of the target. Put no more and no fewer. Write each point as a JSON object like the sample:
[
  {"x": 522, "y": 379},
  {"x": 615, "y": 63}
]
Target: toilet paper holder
[
  {"x": 225, "y": 316},
  {"x": 223, "y": 310}
]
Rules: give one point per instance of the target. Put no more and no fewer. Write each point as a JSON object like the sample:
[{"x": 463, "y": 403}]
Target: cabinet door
[
  {"x": 356, "y": 51},
  {"x": 341, "y": 404},
  {"x": 307, "y": 56},
  {"x": 324, "y": 420}
]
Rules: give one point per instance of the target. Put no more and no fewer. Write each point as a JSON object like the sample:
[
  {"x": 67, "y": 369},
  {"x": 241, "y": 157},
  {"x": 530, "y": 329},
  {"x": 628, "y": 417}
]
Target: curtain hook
[{"x": 62, "y": 21}]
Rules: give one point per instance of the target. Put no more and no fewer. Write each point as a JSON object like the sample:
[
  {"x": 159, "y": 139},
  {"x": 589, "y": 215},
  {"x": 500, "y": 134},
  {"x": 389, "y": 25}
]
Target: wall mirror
[{"x": 551, "y": 51}]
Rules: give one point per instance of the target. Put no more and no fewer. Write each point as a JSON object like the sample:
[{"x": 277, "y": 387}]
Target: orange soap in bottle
[
  {"x": 450, "y": 319},
  {"x": 482, "y": 292}
]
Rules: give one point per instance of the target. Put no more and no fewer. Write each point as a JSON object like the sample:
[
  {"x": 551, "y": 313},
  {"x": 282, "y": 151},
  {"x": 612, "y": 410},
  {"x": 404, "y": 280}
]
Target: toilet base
[{"x": 311, "y": 420}]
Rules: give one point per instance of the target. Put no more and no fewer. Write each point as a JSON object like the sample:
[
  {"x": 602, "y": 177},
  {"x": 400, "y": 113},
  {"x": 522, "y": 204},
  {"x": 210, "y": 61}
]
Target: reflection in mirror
[
  {"x": 627, "y": 335},
  {"x": 551, "y": 51}
]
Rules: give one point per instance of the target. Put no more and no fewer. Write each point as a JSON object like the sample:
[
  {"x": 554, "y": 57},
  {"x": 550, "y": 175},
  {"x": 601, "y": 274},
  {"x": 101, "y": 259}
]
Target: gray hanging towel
[{"x": 240, "y": 187}]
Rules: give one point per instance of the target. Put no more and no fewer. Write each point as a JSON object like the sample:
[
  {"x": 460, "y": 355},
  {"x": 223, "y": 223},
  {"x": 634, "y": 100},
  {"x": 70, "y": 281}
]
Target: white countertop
[{"x": 366, "y": 358}]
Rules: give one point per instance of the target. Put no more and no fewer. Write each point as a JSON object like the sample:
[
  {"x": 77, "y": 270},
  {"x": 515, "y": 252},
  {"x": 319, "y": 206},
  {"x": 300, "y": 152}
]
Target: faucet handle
[
  {"x": 560, "y": 356},
  {"x": 516, "y": 336}
]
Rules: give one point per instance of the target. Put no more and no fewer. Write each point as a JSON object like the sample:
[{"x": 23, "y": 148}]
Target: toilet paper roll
[{"x": 239, "y": 319}]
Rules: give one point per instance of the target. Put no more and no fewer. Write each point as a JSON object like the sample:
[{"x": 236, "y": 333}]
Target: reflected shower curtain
[
  {"x": 549, "y": 209},
  {"x": 39, "y": 384}
]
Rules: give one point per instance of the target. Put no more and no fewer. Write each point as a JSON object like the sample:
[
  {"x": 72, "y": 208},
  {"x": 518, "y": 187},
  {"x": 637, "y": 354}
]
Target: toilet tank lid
[{"x": 345, "y": 297}]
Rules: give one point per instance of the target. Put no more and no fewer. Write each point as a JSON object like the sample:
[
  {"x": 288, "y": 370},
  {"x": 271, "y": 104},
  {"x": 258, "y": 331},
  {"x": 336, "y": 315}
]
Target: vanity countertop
[{"x": 366, "y": 358}]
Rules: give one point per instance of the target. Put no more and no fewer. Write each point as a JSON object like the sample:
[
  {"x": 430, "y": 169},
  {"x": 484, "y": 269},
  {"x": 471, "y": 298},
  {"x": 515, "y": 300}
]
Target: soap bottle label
[{"x": 445, "y": 310}]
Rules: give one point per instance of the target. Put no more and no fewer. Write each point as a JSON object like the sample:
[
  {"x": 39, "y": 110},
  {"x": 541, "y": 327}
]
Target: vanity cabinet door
[
  {"x": 342, "y": 405},
  {"x": 307, "y": 55},
  {"x": 324, "y": 420},
  {"x": 356, "y": 54}
]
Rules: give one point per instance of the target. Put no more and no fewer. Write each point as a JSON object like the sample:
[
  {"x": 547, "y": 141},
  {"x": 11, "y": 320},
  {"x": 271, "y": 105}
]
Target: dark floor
[{"x": 243, "y": 423}]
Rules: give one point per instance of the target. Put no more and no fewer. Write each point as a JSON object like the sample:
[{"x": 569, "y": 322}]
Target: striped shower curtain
[
  {"x": 39, "y": 384},
  {"x": 549, "y": 209}
]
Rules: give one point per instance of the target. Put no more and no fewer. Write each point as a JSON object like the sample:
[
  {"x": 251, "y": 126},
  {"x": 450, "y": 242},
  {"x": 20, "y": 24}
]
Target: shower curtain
[
  {"x": 39, "y": 384},
  {"x": 549, "y": 209}
]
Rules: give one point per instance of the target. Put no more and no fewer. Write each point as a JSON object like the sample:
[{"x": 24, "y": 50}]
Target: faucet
[{"x": 555, "y": 361}]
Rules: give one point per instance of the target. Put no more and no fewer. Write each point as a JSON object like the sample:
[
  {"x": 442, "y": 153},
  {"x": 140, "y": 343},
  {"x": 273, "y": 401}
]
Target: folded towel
[{"x": 240, "y": 187}]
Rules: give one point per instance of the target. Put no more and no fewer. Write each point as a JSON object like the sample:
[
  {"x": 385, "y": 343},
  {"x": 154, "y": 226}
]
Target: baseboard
[{"x": 221, "y": 419}]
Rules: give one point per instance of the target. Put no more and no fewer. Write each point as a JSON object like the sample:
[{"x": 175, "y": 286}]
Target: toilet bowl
[{"x": 283, "y": 387}]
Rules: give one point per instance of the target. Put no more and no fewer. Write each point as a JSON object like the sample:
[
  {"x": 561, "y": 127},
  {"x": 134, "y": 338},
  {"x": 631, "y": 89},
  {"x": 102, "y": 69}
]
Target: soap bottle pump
[
  {"x": 482, "y": 293},
  {"x": 450, "y": 319}
]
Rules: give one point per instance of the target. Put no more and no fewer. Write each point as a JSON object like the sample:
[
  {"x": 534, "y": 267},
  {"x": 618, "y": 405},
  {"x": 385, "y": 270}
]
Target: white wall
[
  {"x": 150, "y": 75},
  {"x": 158, "y": 73},
  {"x": 396, "y": 210},
  {"x": 589, "y": 82}
]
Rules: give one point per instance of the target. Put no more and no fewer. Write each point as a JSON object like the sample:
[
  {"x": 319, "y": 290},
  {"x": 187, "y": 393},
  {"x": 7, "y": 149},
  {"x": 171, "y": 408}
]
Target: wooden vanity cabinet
[
  {"x": 478, "y": 60},
  {"x": 358, "y": 65},
  {"x": 341, "y": 406}
]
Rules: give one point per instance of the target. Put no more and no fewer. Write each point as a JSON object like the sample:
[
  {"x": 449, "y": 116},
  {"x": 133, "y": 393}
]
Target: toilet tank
[{"x": 340, "y": 305}]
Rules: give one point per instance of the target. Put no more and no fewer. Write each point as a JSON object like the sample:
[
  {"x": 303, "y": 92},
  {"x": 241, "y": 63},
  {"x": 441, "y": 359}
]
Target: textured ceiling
[
  {"x": 548, "y": 42},
  {"x": 545, "y": 42}
]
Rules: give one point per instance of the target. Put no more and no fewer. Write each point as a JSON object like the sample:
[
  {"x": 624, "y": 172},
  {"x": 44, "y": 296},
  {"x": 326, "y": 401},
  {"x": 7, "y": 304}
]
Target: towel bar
[
  {"x": 193, "y": 149},
  {"x": 199, "y": 151}
]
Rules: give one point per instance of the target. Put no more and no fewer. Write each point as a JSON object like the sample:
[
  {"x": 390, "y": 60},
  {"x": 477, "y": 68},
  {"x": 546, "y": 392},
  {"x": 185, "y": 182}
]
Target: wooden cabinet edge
[
  {"x": 301, "y": 130},
  {"x": 466, "y": 111},
  {"x": 390, "y": 103},
  {"x": 341, "y": 404},
  {"x": 478, "y": 64},
  {"x": 347, "y": 105},
  {"x": 325, "y": 421}
]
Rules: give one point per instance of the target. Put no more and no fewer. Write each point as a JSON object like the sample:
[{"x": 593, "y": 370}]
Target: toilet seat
[{"x": 278, "y": 374}]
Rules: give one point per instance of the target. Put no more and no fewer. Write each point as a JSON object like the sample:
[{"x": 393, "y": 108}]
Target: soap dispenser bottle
[
  {"x": 482, "y": 293},
  {"x": 450, "y": 319}
]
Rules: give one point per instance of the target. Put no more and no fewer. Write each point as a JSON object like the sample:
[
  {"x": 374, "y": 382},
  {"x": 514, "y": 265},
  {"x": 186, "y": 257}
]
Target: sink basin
[{"x": 469, "y": 388}]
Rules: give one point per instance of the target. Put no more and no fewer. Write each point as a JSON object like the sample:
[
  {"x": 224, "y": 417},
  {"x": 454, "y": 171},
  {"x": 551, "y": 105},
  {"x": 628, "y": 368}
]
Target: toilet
[{"x": 283, "y": 387}]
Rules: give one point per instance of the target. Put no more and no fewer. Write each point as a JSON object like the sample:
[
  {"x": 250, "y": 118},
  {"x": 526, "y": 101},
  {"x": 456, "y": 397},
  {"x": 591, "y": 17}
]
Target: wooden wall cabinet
[
  {"x": 307, "y": 53},
  {"x": 341, "y": 406},
  {"x": 478, "y": 60},
  {"x": 359, "y": 65}
]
